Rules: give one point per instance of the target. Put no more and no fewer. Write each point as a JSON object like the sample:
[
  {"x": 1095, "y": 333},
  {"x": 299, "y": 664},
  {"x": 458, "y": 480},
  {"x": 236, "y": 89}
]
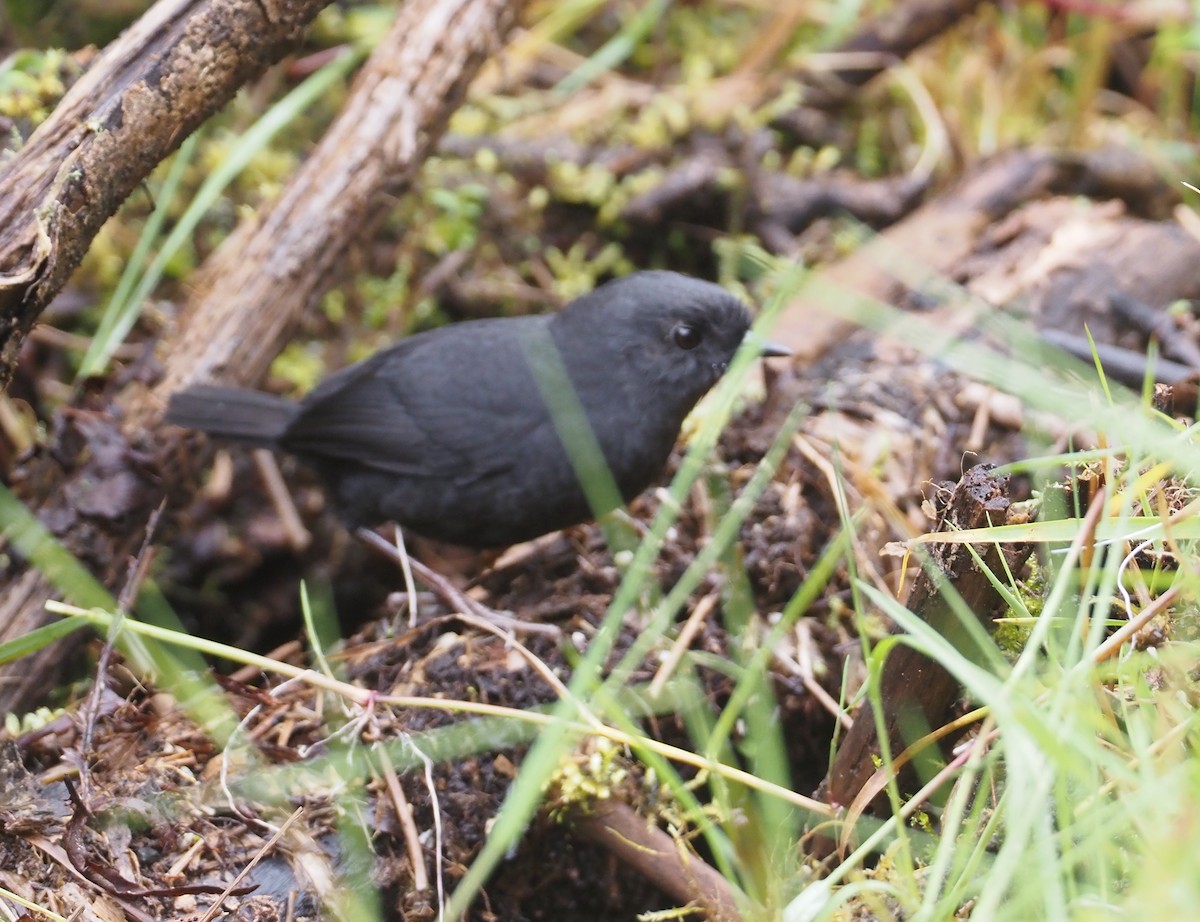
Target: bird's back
[{"x": 446, "y": 433}]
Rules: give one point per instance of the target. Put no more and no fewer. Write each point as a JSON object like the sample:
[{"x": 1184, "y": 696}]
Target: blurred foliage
[
  {"x": 68, "y": 23},
  {"x": 32, "y": 82},
  {"x": 647, "y": 77}
]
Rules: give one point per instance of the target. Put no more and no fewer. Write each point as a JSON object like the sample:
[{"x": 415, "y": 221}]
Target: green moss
[
  {"x": 665, "y": 118},
  {"x": 625, "y": 191},
  {"x": 592, "y": 775},
  {"x": 262, "y": 179},
  {"x": 1011, "y": 636},
  {"x": 337, "y": 24},
  {"x": 333, "y": 306},
  {"x": 710, "y": 40},
  {"x": 300, "y": 365},
  {"x": 578, "y": 271},
  {"x": 384, "y": 297},
  {"x": 538, "y": 198},
  {"x": 32, "y": 82},
  {"x": 455, "y": 225},
  {"x": 69, "y": 23},
  {"x": 471, "y": 121},
  {"x": 584, "y": 185}
]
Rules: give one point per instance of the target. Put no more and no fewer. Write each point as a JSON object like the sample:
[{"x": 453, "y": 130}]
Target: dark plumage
[{"x": 446, "y": 432}]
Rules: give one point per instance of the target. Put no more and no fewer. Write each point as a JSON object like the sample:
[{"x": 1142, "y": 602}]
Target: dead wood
[
  {"x": 1091, "y": 275},
  {"x": 915, "y": 691},
  {"x": 529, "y": 159},
  {"x": 146, "y": 92},
  {"x": 275, "y": 267},
  {"x": 784, "y": 205},
  {"x": 1129, "y": 366},
  {"x": 248, "y": 296},
  {"x": 1157, "y": 323},
  {"x": 936, "y": 239},
  {"x": 657, "y": 856},
  {"x": 693, "y": 183},
  {"x": 1066, "y": 264}
]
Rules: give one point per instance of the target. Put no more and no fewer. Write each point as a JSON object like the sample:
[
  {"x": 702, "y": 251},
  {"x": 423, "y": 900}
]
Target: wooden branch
[
  {"x": 249, "y": 294},
  {"x": 657, "y": 857},
  {"x": 148, "y": 90},
  {"x": 915, "y": 690}
]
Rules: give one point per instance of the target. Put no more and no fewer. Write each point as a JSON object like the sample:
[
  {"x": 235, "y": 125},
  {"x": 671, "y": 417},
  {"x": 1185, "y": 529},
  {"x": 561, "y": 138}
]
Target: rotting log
[
  {"x": 146, "y": 92},
  {"x": 248, "y": 296},
  {"x": 915, "y": 691}
]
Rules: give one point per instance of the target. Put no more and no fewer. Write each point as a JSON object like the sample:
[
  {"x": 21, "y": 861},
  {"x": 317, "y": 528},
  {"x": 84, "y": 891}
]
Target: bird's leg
[{"x": 449, "y": 594}]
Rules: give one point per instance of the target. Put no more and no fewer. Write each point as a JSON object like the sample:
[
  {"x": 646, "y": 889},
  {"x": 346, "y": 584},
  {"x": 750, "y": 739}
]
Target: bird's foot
[{"x": 446, "y": 592}]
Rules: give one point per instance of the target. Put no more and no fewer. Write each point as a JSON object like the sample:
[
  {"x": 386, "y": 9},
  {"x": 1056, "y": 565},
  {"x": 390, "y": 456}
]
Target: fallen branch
[{"x": 658, "y": 857}]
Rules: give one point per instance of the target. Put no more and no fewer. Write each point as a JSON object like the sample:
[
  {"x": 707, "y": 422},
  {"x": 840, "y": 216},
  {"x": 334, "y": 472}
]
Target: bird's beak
[{"x": 768, "y": 350}]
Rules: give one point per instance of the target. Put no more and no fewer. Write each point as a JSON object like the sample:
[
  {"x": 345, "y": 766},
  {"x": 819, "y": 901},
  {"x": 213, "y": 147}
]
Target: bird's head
[{"x": 667, "y": 334}]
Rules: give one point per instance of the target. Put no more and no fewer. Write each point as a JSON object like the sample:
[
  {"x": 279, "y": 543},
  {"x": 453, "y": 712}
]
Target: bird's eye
[{"x": 686, "y": 336}]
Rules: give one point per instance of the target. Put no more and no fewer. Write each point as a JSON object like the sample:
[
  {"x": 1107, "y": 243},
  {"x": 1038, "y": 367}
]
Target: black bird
[{"x": 448, "y": 434}]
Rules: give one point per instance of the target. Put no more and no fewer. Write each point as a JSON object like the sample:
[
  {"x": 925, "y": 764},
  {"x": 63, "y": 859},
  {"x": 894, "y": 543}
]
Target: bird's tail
[{"x": 234, "y": 413}]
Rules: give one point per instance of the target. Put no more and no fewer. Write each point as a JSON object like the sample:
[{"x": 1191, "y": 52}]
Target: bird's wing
[{"x": 444, "y": 407}]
